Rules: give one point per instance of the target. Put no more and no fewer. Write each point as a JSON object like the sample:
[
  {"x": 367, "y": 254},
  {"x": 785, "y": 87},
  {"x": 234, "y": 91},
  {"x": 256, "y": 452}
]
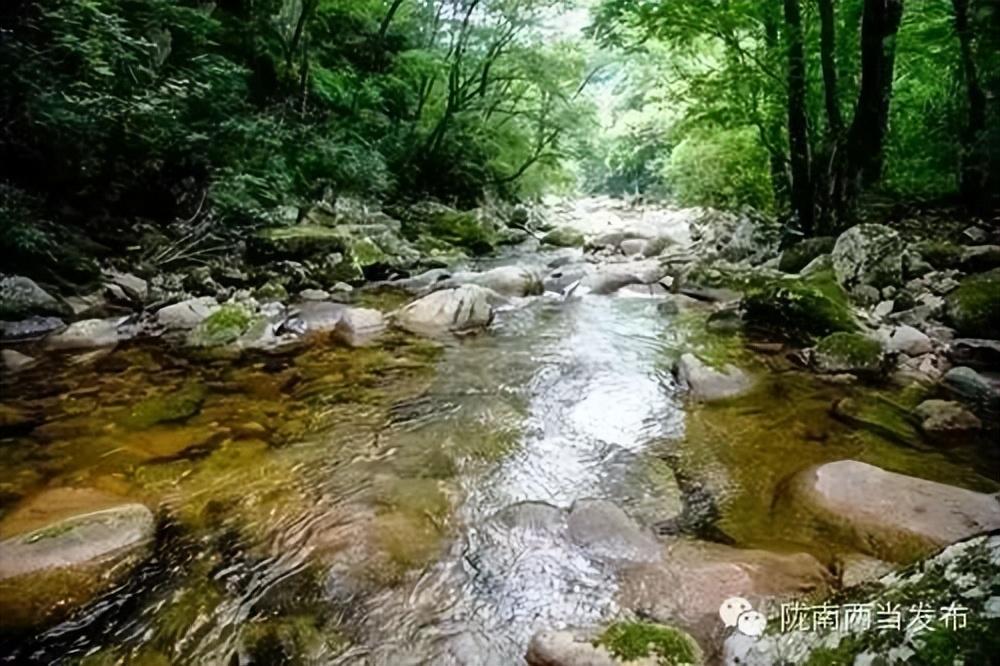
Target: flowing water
[{"x": 389, "y": 505}]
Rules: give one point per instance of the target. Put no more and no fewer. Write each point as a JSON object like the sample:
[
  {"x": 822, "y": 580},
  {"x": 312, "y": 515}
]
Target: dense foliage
[
  {"x": 123, "y": 109},
  {"x": 842, "y": 99}
]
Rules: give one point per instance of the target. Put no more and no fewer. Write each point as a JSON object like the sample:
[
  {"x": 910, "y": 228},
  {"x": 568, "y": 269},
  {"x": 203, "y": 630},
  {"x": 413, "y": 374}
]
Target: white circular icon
[
  {"x": 732, "y": 608},
  {"x": 751, "y": 623}
]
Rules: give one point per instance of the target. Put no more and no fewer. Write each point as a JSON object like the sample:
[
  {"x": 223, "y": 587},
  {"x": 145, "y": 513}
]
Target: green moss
[
  {"x": 798, "y": 309},
  {"x": 290, "y": 641},
  {"x": 940, "y": 254},
  {"x": 564, "y": 237},
  {"x": 464, "y": 229},
  {"x": 634, "y": 640},
  {"x": 798, "y": 256},
  {"x": 974, "y": 307},
  {"x": 222, "y": 327},
  {"x": 296, "y": 242},
  {"x": 850, "y": 351},
  {"x": 179, "y": 405}
]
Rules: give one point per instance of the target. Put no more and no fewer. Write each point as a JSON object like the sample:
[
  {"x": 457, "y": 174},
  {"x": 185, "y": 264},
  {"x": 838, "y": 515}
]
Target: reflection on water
[{"x": 404, "y": 503}]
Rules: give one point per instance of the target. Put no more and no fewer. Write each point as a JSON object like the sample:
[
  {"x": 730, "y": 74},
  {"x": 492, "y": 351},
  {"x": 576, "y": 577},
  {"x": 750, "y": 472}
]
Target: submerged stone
[
  {"x": 707, "y": 383},
  {"x": 64, "y": 548}
]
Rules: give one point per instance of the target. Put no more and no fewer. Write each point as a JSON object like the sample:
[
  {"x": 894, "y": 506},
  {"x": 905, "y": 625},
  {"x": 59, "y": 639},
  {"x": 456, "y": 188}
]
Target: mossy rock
[
  {"x": 795, "y": 258},
  {"x": 800, "y": 309},
  {"x": 464, "y": 229},
  {"x": 939, "y": 254},
  {"x": 630, "y": 641},
  {"x": 974, "y": 308},
  {"x": 294, "y": 640},
  {"x": 173, "y": 407},
  {"x": 849, "y": 352},
  {"x": 564, "y": 237},
  {"x": 296, "y": 242},
  {"x": 222, "y": 327}
]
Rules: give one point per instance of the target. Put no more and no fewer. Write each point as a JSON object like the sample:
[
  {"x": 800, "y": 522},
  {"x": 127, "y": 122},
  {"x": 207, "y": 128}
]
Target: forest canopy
[{"x": 124, "y": 110}]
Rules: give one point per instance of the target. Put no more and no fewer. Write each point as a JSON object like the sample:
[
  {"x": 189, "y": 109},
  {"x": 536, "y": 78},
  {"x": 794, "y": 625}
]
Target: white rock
[
  {"x": 359, "y": 326},
  {"x": 707, "y": 383},
  {"x": 906, "y": 339},
  {"x": 461, "y": 309},
  {"x": 14, "y": 360},
  {"x": 87, "y": 334},
  {"x": 186, "y": 314}
]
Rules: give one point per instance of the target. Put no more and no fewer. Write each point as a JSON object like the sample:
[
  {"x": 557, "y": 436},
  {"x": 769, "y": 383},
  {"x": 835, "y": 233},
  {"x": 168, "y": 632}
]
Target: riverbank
[{"x": 434, "y": 465}]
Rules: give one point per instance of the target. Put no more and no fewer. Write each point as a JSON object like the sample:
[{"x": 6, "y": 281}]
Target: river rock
[
  {"x": 14, "y": 360},
  {"x": 905, "y": 339},
  {"x": 947, "y": 421},
  {"x": 566, "y": 648},
  {"x": 707, "y": 383},
  {"x": 886, "y": 515},
  {"x": 63, "y": 548},
  {"x": 186, "y": 314},
  {"x": 975, "y": 390},
  {"x": 607, "y": 533},
  {"x": 32, "y": 328},
  {"x": 978, "y": 258},
  {"x": 512, "y": 281},
  {"x": 633, "y": 246},
  {"x": 460, "y": 309},
  {"x": 868, "y": 255},
  {"x": 689, "y": 585},
  {"x": 319, "y": 316},
  {"x": 21, "y": 297},
  {"x": 135, "y": 288},
  {"x": 618, "y": 645},
  {"x": 975, "y": 352},
  {"x": 564, "y": 237},
  {"x": 86, "y": 334},
  {"x": 359, "y": 326}
]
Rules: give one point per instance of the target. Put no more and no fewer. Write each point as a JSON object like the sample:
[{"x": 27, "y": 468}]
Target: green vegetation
[
  {"x": 799, "y": 309},
  {"x": 633, "y": 640},
  {"x": 222, "y": 327},
  {"x": 974, "y": 307},
  {"x": 846, "y": 352},
  {"x": 178, "y": 405}
]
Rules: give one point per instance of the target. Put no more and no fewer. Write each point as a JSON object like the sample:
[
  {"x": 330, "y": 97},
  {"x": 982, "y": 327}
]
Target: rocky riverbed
[{"x": 560, "y": 436}]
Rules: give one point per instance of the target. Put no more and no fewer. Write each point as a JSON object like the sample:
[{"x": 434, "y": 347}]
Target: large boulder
[
  {"x": 694, "y": 578},
  {"x": 799, "y": 309},
  {"x": 21, "y": 297},
  {"x": 432, "y": 225},
  {"x": 905, "y": 339},
  {"x": 32, "y": 328},
  {"x": 87, "y": 334},
  {"x": 607, "y": 533},
  {"x": 975, "y": 352},
  {"x": 868, "y": 255},
  {"x": 886, "y": 515},
  {"x": 707, "y": 383},
  {"x": 974, "y": 307},
  {"x": 63, "y": 548},
  {"x": 461, "y": 309}
]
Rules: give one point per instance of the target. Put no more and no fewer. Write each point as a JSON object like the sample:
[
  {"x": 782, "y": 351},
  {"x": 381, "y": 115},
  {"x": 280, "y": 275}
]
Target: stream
[{"x": 405, "y": 503}]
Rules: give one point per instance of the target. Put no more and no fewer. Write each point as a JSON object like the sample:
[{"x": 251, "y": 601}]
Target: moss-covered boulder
[
  {"x": 939, "y": 254},
  {"x": 795, "y": 258},
  {"x": 798, "y": 309},
  {"x": 296, "y": 242},
  {"x": 226, "y": 325},
  {"x": 564, "y": 237},
  {"x": 974, "y": 308},
  {"x": 849, "y": 352}
]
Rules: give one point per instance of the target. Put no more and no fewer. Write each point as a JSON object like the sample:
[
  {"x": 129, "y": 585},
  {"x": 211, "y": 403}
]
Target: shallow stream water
[{"x": 367, "y": 505}]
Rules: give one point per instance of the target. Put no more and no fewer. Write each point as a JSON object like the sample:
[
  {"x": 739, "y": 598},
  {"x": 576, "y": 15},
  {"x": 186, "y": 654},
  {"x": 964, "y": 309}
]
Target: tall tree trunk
[
  {"x": 866, "y": 136},
  {"x": 829, "y": 165},
  {"x": 798, "y": 123},
  {"x": 974, "y": 167},
  {"x": 828, "y": 61},
  {"x": 771, "y": 126}
]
